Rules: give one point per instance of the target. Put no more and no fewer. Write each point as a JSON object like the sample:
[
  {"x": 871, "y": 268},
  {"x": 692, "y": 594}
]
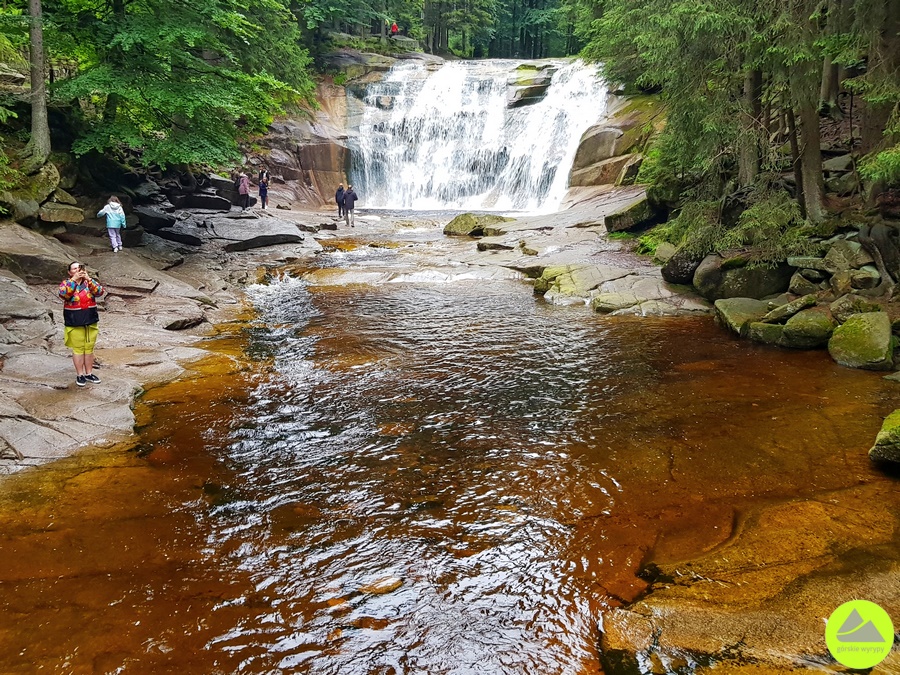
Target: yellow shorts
[{"x": 81, "y": 339}]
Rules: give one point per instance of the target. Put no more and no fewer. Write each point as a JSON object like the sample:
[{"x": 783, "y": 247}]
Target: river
[{"x": 437, "y": 474}]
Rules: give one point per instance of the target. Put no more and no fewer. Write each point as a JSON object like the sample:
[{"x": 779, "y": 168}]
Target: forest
[{"x": 749, "y": 87}]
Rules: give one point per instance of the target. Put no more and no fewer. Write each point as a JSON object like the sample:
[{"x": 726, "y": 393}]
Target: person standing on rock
[
  {"x": 263, "y": 192},
  {"x": 244, "y": 191},
  {"x": 394, "y": 29},
  {"x": 339, "y": 199},
  {"x": 115, "y": 219},
  {"x": 264, "y": 175},
  {"x": 80, "y": 319},
  {"x": 349, "y": 200}
]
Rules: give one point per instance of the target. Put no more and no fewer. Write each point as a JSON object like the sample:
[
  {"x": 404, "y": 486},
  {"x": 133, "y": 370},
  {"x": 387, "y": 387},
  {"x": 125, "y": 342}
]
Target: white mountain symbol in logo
[{"x": 855, "y": 629}]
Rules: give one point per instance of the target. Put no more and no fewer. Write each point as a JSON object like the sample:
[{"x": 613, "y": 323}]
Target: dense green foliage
[
  {"x": 178, "y": 81},
  {"x": 744, "y": 83}
]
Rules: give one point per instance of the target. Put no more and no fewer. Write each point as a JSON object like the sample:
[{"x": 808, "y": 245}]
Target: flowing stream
[
  {"x": 443, "y": 477},
  {"x": 447, "y": 139}
]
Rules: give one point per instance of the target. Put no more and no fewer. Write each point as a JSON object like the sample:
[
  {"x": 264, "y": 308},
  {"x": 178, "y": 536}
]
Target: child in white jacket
[{"x": 115, "y": 219}]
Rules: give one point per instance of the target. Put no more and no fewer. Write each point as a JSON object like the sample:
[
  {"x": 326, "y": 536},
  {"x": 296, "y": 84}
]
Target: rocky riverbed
[{"x": 753, "y": 601}]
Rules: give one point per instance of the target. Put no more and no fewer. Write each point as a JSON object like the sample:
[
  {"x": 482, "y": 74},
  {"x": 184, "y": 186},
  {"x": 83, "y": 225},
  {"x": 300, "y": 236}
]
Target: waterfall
[{"x": 450, "y": 138}]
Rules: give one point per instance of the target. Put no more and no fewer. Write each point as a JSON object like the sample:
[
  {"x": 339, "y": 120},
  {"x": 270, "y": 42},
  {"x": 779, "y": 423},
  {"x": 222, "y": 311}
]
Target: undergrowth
[{"x": 767, "y": 232}]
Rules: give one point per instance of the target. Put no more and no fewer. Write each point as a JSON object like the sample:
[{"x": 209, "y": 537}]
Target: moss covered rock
[
  {"x": 863, "y": 341},
  {"x": 848, "y": 305},
  {"x": 718, "y": 277},
  {"x": 766, "y": 333},
  {"x": 808, "y": 329},
  {"x": 472, "y": 225},
  {"x": 24, "y": 200},
  {"x": 887, "y": 443},
  {"x": 738, "y": 313}
]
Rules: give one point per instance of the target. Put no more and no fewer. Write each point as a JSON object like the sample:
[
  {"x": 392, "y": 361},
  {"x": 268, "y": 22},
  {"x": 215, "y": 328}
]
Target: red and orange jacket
[{"x": 80, "y": 309}]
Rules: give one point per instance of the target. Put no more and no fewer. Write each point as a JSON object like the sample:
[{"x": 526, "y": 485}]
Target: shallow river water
[{"x": 433, "y": 477}]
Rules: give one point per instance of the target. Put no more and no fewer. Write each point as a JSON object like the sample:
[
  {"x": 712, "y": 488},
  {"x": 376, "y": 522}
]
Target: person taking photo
[{"x": 81, "y": 320}]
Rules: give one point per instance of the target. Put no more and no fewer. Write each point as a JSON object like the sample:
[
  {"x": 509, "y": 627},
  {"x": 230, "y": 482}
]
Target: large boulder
[
  {"x": 152, "y": 219},
  {"x": 863, "y": 341},
  {"x": 472, "y": 225},
  {"x": 681, "y": 265},
  {"x": 604, "y": 172},
  {"x": 622, "y": 133},
  {"x": 738, "y": 313},
  {"x": 887, "y": 442},
  {"x": 633, "y": 213},
  {"x": 848, "y": 305},
  {"x": 23, "y": 201},
  {"x": 717, "y": 277},
  {"x": 808, "y": 329},
  {"x": 52, "y": 212},
  {"x": 34, "y": 258}
]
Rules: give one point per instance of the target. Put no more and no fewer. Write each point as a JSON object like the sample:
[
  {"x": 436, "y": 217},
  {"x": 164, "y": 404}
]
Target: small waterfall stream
[{"x": 448, "y": 138}]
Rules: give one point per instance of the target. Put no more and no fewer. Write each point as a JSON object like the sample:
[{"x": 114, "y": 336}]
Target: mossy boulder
[
  {"x": 472, "y": 225},
  {"x": 808, "y": 329},
  {"x": 787, "y": 310},
  {"x": 24, "y": 200},
  {"x": 738, "y": 313},
  {"x": 863, "y": 341},
  {"x": 726, "y": 277},
  {"x": 766, "y": 333},
  {"x": 887, "y": 442},
  {"x": 630, "y": 215},
  {"x": 625, "y": 131},
  {"x": 848, "y": 305}
]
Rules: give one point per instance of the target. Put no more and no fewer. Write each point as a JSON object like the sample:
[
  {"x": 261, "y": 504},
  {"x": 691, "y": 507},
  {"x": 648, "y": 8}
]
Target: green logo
[{"x": 859, "y": 634}]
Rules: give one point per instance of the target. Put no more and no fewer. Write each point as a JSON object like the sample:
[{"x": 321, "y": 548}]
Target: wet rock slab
[{"x": 764, "y": 595}]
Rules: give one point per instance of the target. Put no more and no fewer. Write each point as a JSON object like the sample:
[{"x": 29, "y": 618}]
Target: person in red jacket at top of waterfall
[{"x": 394, "y": 29}]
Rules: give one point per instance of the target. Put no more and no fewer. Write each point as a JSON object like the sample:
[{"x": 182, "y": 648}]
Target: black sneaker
[
  {"x": 81, "y": 380},
  {"x": 93, "y": 379}
]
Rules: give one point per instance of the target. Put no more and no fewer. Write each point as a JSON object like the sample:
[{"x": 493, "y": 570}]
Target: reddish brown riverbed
[{"x": 413, "y": 478}]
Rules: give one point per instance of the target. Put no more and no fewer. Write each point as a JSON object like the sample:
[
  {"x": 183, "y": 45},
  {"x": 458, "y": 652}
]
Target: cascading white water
[{"x": 448, "y": 140}]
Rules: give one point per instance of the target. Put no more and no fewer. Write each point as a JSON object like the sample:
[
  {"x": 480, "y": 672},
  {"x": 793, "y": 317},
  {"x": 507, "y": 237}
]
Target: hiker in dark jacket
[
  {"x": 349, "y": 200},
  {"x": 339, "y": 199}
]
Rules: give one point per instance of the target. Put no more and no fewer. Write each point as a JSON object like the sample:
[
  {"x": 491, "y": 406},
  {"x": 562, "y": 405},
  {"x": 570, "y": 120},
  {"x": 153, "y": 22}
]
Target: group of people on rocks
[
  {"x": 242, "y": 185},
  {"x": 345, "y": 200},
  {"x": 80, "y": 290}
]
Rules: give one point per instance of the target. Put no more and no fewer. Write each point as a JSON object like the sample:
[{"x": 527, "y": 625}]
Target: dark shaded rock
[
  {"x": 680, "y": 267},
  {"x": 132, "y": 236},
  {"x": 800, "y": 285},
  {"x": 633, "y": 214},
  {"x": 731, "y": 278},
  {"x": 264, "y": 240},
  {"x": 152, "y": 219},
  {"x": 204, "y": 201},
  {"x": 848, "y": 305},
  {"x": 180, "y": 237}
]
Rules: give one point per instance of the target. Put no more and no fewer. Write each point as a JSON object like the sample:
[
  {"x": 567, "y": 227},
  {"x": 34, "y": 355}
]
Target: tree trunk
[
  {"x": 795, "y": 160},
  {"x": 806, "y": 92},
  {"x": 884, "y": 60},
  {"x": 38, "y": 149},
  {"x": 828, "y": 94},
  {"x": 748, "y": 167}
]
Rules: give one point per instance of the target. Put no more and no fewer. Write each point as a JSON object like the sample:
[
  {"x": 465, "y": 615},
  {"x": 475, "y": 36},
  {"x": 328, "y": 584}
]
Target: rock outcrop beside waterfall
[{"x": 162, "y": 297}]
